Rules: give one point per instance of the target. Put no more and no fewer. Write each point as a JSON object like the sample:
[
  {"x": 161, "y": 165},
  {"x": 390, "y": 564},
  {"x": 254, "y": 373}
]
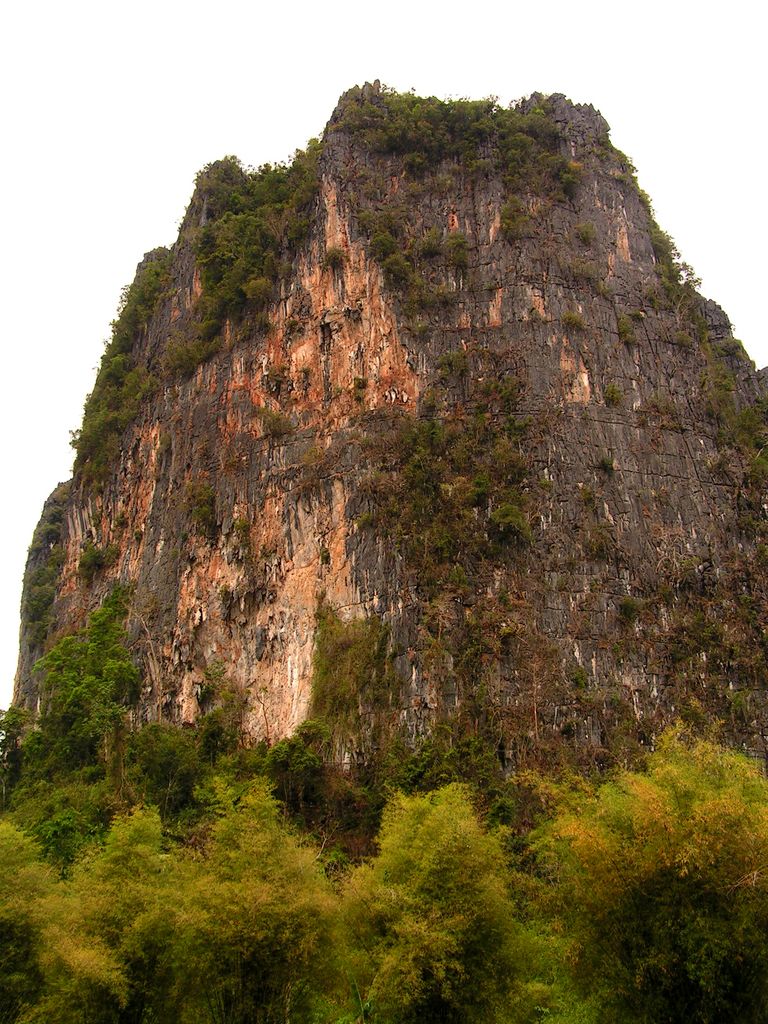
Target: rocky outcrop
[{"x": 490, "y": 340}]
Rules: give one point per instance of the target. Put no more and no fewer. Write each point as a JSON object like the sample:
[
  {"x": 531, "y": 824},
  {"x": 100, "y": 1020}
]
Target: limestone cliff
[{"x": 447, "y": 373}]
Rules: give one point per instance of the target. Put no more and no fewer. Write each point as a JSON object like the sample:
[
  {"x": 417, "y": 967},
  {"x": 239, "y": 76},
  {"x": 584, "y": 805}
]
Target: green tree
[
  {"x": 88, "y": 679},
  {"x": 296, "y": 765},
  {"x": 108, "y": 931},
  {"x": 662, "y": 884},
  {"x": 163, "y": 766},
  {"x": 436, "y": 933},
  {"x": 65, "y": 815},
  {"x": 12, "y": 723},
  {"x": 23, "y": 881},
  {"x": 254, "y": 937}
]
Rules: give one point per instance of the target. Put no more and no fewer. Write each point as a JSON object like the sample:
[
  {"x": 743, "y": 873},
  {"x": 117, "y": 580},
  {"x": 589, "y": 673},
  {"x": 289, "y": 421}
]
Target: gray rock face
[{"x": 633, "y": 596}]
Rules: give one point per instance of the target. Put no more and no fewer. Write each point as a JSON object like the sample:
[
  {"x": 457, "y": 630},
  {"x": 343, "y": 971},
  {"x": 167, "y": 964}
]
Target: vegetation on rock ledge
[
  {"x": 121, "y": 384},
  {"x": 253, "y": 222},
  {"x": 46, "y": 556},
  {"x": 523, "y": 144}
]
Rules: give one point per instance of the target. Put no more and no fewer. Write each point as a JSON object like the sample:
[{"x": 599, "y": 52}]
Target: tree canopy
[{"x": 661, "y": 882}]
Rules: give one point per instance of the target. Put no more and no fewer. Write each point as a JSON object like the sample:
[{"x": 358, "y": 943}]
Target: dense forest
[{"x": 174, "y": 874}]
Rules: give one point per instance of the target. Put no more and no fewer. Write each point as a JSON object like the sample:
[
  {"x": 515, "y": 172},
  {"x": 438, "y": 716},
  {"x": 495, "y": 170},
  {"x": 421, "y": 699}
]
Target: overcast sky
[{"x": 111, "y": 108}]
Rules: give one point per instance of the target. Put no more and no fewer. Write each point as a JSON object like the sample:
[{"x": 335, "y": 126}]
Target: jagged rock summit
[{"x": 430, "y": 425}]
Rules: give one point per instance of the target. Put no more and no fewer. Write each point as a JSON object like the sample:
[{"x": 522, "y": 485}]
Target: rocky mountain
[{"x": 429, "y": 426}]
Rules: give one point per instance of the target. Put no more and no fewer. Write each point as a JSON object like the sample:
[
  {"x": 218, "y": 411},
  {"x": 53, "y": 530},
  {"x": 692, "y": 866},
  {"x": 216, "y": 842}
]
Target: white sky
[{"x": 111, "y": 108}]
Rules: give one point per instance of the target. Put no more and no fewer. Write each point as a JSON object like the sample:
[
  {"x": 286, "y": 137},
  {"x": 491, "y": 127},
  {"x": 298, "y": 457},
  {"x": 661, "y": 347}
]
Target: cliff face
[{"x": 468, "y": 392}]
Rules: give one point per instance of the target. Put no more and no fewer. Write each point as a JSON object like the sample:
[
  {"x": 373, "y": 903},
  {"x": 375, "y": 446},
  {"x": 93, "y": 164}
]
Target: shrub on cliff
[
  {"x": 120, "y": 385},
  {"x": 457, "y": 250},
  {"x": 352, "y": 683},
  {"x": 255, "y": 219},
  {"x": 93, "y": 559},
  {"x": 425, "y": 131},
  {"x": 200, "y": 500}
]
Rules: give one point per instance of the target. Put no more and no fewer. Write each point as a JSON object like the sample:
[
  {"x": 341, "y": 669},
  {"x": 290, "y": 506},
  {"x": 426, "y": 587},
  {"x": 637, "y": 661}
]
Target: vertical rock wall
[{"x": 248, "y": 491}]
